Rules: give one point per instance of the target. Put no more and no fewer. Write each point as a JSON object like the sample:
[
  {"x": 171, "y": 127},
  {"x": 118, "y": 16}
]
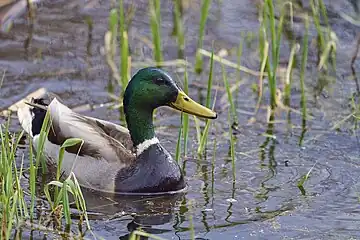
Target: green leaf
[{"x": 71, "y": 142}]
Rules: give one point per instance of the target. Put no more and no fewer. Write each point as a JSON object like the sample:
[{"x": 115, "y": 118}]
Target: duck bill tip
[{"x": 185, "y": 104}]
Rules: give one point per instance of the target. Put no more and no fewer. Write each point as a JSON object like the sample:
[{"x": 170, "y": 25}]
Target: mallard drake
[{"x": 113, "y": 158}]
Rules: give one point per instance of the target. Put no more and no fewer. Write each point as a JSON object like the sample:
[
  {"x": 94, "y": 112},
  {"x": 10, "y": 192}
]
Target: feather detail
[
  {"x": 145, "y": 145},
  {"x": 97, "y": 141},
  {"x": 26, "y": 117}
]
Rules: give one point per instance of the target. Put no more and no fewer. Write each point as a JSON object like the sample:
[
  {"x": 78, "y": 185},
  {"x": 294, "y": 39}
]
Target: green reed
[
  {"x": 232, "y": 146},
  {"x": 288, "y": 79},
  {"x": 118, "y": 30},
  {"x": 125, "y": 59},
  {"x": 202, "y": 137},
  {"x": 303, "y": 67},
  {"x": 155, "y": 24},
  {"x": 122, "y": 23},
  {"x": 110, "y": 48},
  {"x": 39, "y": 159},
  {"x": 178, "y": 143},
  {"x": 302, "y": 77},
  {"x": 274, "y": 43},
  {"x": 262, "y": 33},
  {"x": 204, "y": 14},
  {"x": 68, "y": 143},
  {"x": 239, "y": 55},
  {"x": 324, "y": 14},
  {"x": 60, "y": 196},
  {"x": 326, "y": 42},
  {"x": 22, "y": 206},
  {"x": 232, "y": 118},
  {"x": 233, "y": 113},
  {"x": 198, "y": 130},
  {"x": 316, "y": 19},
  {"x": 113, "y": 21},
  {"x": 32, "y": 179},
  {"x": 45, "y": 128},
  {"x": 70, "y": 184},
  {"x": 210, "y": 81},
  {"x": 14, "y": 208},
  {"x": 269, "y": 28},
  {"x": 178, "y": 27},
  {"x": 12, "y": 202},
  {"x": 303, "y": 180},
  {"x": 185, "y": 123}
]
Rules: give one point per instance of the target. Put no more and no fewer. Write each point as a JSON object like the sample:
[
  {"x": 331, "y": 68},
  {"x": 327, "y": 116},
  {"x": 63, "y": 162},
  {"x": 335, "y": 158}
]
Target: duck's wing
[
  {"x": 102, "y": 139},
  {"x": 115, "y": 131}
]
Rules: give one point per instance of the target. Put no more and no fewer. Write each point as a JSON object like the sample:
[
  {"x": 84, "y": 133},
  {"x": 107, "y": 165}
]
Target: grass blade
[
  {"x": 210, "y": 81},
  {"x": 229, "y": 94},
  {"x": 185, "y": 120},
  {"x": 155, "y": 20},
  {"x": 178, "y": 144},
  {"x": 178, "y": 27},
  {"x": 204, "y": 14},
  {"x": 303, "y": 73}
]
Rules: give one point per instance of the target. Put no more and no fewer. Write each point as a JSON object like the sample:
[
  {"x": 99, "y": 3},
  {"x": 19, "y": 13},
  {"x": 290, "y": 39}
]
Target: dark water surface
[{"x": 264, "y": 202}]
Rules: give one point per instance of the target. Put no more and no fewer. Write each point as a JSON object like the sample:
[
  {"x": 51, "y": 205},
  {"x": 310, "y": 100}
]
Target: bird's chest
[{"x": 154, "y": 171}]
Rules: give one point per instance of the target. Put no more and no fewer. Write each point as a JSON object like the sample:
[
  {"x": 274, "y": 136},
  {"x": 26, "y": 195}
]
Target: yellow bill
[{"x": 185, "y": 104}]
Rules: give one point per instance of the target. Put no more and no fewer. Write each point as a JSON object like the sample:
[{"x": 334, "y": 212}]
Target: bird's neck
[{"x": 141, "y": 127}]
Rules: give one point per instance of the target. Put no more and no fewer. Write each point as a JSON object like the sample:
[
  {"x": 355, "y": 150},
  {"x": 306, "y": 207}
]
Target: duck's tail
[{"x": 32, "y": 115}]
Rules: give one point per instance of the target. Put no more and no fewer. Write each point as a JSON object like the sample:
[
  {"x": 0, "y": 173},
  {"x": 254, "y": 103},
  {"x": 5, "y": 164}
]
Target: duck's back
[{"x": 106, "y": 147}]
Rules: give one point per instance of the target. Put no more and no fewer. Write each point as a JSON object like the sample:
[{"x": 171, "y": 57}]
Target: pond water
[{"x": 265, "y": 201}]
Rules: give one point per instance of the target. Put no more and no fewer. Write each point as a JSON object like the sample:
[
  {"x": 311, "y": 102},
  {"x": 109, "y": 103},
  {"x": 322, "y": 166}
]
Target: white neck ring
[{"x": 140, "y": 148}]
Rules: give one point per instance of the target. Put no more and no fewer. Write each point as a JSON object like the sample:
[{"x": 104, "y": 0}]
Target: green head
[{"x": 148, "y": 89}]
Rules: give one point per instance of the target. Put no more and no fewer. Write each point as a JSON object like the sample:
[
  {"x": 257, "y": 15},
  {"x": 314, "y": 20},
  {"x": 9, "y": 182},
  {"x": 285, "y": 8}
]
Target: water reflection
[
  {"x": 303, "y": 129},
  {"x": 180, "y": 215},
  {"x": 270, "y": 139},
  {"x": 142, "y": 212},
  {"x": 206, "y": 197},
  {"x": 231, "y": 200}
]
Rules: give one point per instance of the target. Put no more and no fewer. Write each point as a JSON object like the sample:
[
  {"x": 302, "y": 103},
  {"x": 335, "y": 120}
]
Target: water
[{"x": 265, "y": 202}]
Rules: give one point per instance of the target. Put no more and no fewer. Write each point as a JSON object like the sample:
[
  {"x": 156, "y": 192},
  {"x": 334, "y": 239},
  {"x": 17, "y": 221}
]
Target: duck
[{"x": 113, "y": 158}]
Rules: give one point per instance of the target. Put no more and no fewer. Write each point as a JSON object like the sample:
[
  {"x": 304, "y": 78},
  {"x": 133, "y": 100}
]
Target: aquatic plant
[
  {"x": 204, "y": 14},
  {"x": 178, "y": 29},
  {"x": 13, "y": 205},
  {"x": 269, "y": 28},
  {"x": 202, "y": 137},
  {"x": 15, "y": 210},
  {"x": 125, "y": 62},
  {"x": 155, "y": 24},
  {"x": 302, "y": 74},
  {"x": 185, "y": 118},
  {"x": 326, "y": 38}
]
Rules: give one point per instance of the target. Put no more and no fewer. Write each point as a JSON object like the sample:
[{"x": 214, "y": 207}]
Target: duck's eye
[{"x": 159, "y": 81}]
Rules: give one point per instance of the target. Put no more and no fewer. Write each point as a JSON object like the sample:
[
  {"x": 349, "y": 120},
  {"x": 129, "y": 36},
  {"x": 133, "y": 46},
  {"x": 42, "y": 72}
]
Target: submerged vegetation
[{"x": 22, "y": 198}]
